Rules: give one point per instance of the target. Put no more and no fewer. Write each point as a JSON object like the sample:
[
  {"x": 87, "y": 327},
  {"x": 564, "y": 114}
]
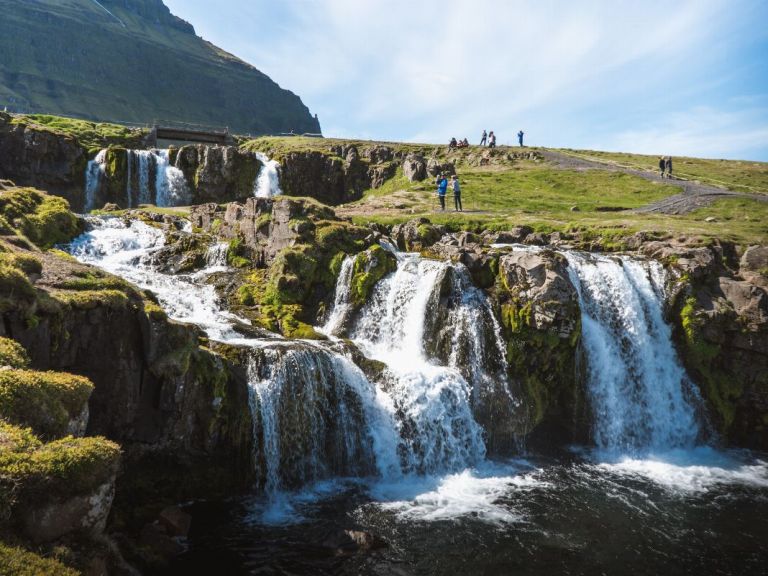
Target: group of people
[
  {"x": 458, "y": 144},
  {"x": 442, "y": 190},
  {"x": 665, "y": 166},
  {"x": 488, "y": 139}
]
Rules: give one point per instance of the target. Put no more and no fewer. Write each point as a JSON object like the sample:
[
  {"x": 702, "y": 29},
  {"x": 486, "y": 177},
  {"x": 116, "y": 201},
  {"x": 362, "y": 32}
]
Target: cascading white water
[
  {"x": 437, "y": 427},
  {"x": 151, "y": 179},
  {"x": 216, "y": 256},
  {"x": 268, "y": 180},
  {"x": 641, "y": 396},
  {"x": 170, "y": 186},
  {"x": 342, "y": 300},
  {"x": 94, "y": 176},
  {"x": 330, "y": 418}
]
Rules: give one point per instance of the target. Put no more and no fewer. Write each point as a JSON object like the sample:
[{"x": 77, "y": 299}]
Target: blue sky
[{"x": 681, "y": 78}]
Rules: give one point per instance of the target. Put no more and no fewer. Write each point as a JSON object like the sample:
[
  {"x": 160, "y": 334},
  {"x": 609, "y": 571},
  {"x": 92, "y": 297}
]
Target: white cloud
[
  {"x": 564, "y": 72},
  {"x": 709, "y": 132}
]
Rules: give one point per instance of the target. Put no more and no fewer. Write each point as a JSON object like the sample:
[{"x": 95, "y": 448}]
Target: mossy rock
[
  {"x": 722, "y": 391},
  {"x": 291, "y": 275},
  {"x": 65, "y": 467},
  {"x": 370, "y": 267},
  {"x": 15, "y": 561},
  {"x": 45, "y": 220},
  {"x": 16, "y": 290},
  {"x": 13, "y": 354},
  {"x": 90, "y": 299},
  {"x": 46, "y": 401}
]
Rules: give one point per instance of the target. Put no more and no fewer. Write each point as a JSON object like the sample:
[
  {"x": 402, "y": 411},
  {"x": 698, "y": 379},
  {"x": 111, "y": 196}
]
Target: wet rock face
[
  {"x": 720, "y": 317},
  {"x": 540, "y": 317},
  {"x": 84, "y": 514},
  {"x": 339, "y": 177},
  {"x": 218, "y": 173},
  {"x": 42, "y": 159}
]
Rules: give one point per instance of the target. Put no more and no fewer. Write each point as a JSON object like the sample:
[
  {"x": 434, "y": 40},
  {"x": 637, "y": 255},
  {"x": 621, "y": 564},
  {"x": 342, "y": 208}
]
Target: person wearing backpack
[{"x": 456, "y": 193}]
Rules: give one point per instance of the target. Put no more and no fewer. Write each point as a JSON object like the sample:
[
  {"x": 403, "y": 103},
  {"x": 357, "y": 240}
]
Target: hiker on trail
[
  {"x": 491, "y": 140},
  {"x": 520, "y": 137},
  {"x": 668, "y": 164},
  {"x": 662, "y": 165},
  {"x": 456, "y": 193},
  {"x": 484, "y": 139},
  {"x": 442, "y": 188}
]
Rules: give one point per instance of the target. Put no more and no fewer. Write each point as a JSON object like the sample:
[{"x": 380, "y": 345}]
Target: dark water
[{"x": 696, "y": 512}]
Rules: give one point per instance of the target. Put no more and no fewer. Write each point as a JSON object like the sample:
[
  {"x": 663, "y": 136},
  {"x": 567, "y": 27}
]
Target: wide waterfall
[
  {"x": 641, "y": 396},
  {"x": 268, "y": 180},
  {"x": 403, "y": 445},
  {"x": 150, "y": 179}
]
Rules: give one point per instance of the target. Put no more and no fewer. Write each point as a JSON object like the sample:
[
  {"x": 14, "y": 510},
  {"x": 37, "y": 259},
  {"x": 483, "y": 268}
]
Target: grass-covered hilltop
[
  {"x": 134, "y": 62},
  {"x": 112, "y": 413}
]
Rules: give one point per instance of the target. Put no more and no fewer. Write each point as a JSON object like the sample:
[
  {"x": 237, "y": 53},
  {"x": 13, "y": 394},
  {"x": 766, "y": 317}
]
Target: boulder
[
  {"x": 435, "y": 167},
  {"x": 415, "y": 168},
  {"x": 378, "y": 154},
  {"x": 416, "y": 235},
  {"x": 343, "y": 542}
]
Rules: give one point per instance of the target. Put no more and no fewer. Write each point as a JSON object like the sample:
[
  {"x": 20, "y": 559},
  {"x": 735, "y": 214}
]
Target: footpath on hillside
[{"x": 694, "y": 194}]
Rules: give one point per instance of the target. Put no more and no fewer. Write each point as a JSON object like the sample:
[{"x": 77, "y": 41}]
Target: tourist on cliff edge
[
  {"x": 520, "y": 137},
  {"x": 484, "y": 139}
]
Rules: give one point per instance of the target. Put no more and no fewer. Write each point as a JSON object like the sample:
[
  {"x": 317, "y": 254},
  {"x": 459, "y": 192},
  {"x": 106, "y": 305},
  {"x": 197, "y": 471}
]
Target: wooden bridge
[{"x": 189, "y": 134}]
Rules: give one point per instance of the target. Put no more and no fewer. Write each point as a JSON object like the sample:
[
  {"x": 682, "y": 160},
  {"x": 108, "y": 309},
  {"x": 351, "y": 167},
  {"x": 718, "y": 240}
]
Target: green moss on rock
[
  {"x": 45, "y": 220},
  {"x": 13, "y": 354},
  {"x": 16, "y": 561},
  {"x": 369, "y": 267},
  {"x": 46, "y": 401},
  {"x": 64, "y": 467},
  {"x": 90, "y": 299}
]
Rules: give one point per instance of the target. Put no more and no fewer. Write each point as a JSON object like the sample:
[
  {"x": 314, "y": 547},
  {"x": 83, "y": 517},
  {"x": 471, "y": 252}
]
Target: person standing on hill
[
  {"x": 484, "y": 139},
  {"x": 491, "y": 140},
  {"x": 456, "y": 193},
  {"x": 668, "y": 165},
  {"x": 520, "y": 137},
  {"x": 442, "y": 188},
  {"x": 662, "y": 165}
]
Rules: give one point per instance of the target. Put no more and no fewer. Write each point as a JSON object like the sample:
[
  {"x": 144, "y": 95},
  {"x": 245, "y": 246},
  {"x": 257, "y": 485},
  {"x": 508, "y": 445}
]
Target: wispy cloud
[{"x": 566, "y": 72}]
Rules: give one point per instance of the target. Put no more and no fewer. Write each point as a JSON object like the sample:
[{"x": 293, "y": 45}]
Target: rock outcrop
[{"x": 718, "y": 304}]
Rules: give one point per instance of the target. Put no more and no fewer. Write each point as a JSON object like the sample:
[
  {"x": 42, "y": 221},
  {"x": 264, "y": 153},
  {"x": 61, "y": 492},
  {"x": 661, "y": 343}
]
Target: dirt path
[{"x": 694, "y": 195}]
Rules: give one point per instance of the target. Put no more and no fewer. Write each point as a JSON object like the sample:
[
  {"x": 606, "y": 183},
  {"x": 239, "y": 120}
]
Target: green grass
[
  {"x": 737, "y": 175},
  {"x": 500, "y": 197},
  {"x": 92, "y": 135}
]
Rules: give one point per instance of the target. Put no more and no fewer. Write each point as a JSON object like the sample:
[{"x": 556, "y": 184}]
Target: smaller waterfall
[
  {"x": 641, "y": 396},
  {"x": 342, "y": 301},
  {"x": 216, "y": 256},
  {"x": 94, "y": 176},
  {"x": 320, "y": 418},
  {"x": 268, "y": 181},
  {"x": 170, "y": 186}
]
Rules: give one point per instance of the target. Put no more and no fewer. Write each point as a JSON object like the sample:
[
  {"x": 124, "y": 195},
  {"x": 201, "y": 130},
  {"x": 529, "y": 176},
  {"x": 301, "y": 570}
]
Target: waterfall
[
  {"x": 431, "y": 395},
  {"x": 641, "y": 397},
  {"x": 268, "y": 180},
  {"x": 216, "y": 256},
  {"x": 94, "y": 176},
  {"x": 342, "y": 306},
  {"x": 150, "y": 179},
  {"x": 170, "y": 188},
  {"x": 320, "y": 417}
]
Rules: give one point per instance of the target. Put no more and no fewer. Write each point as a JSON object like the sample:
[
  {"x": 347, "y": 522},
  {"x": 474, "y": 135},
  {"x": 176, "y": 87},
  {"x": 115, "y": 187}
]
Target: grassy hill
[
  {"x": 597, "y": 202},
  {"x": 133, "y": 62}
]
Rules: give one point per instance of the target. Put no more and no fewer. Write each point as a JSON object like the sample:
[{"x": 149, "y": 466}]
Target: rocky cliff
[{"x": 133, "y": 62}]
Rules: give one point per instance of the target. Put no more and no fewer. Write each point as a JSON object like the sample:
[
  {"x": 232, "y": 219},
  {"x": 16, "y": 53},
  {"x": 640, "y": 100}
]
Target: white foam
[
  {"x": 478, "y": 493},
  {"x": 692, "y": 471}
]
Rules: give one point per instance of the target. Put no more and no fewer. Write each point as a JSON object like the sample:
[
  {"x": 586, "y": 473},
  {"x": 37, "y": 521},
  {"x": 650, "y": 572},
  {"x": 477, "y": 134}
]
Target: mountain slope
[{"x": 133, "y": 61}]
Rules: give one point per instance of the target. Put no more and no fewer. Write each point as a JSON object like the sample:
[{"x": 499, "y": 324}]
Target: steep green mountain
[{"x": 133, "y": 61}]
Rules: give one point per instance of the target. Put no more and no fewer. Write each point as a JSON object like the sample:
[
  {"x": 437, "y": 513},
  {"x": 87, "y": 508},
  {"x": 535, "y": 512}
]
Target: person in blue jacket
[
  {"x": 442, "y": 188},
  {"x": 520, "y": 137}
]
